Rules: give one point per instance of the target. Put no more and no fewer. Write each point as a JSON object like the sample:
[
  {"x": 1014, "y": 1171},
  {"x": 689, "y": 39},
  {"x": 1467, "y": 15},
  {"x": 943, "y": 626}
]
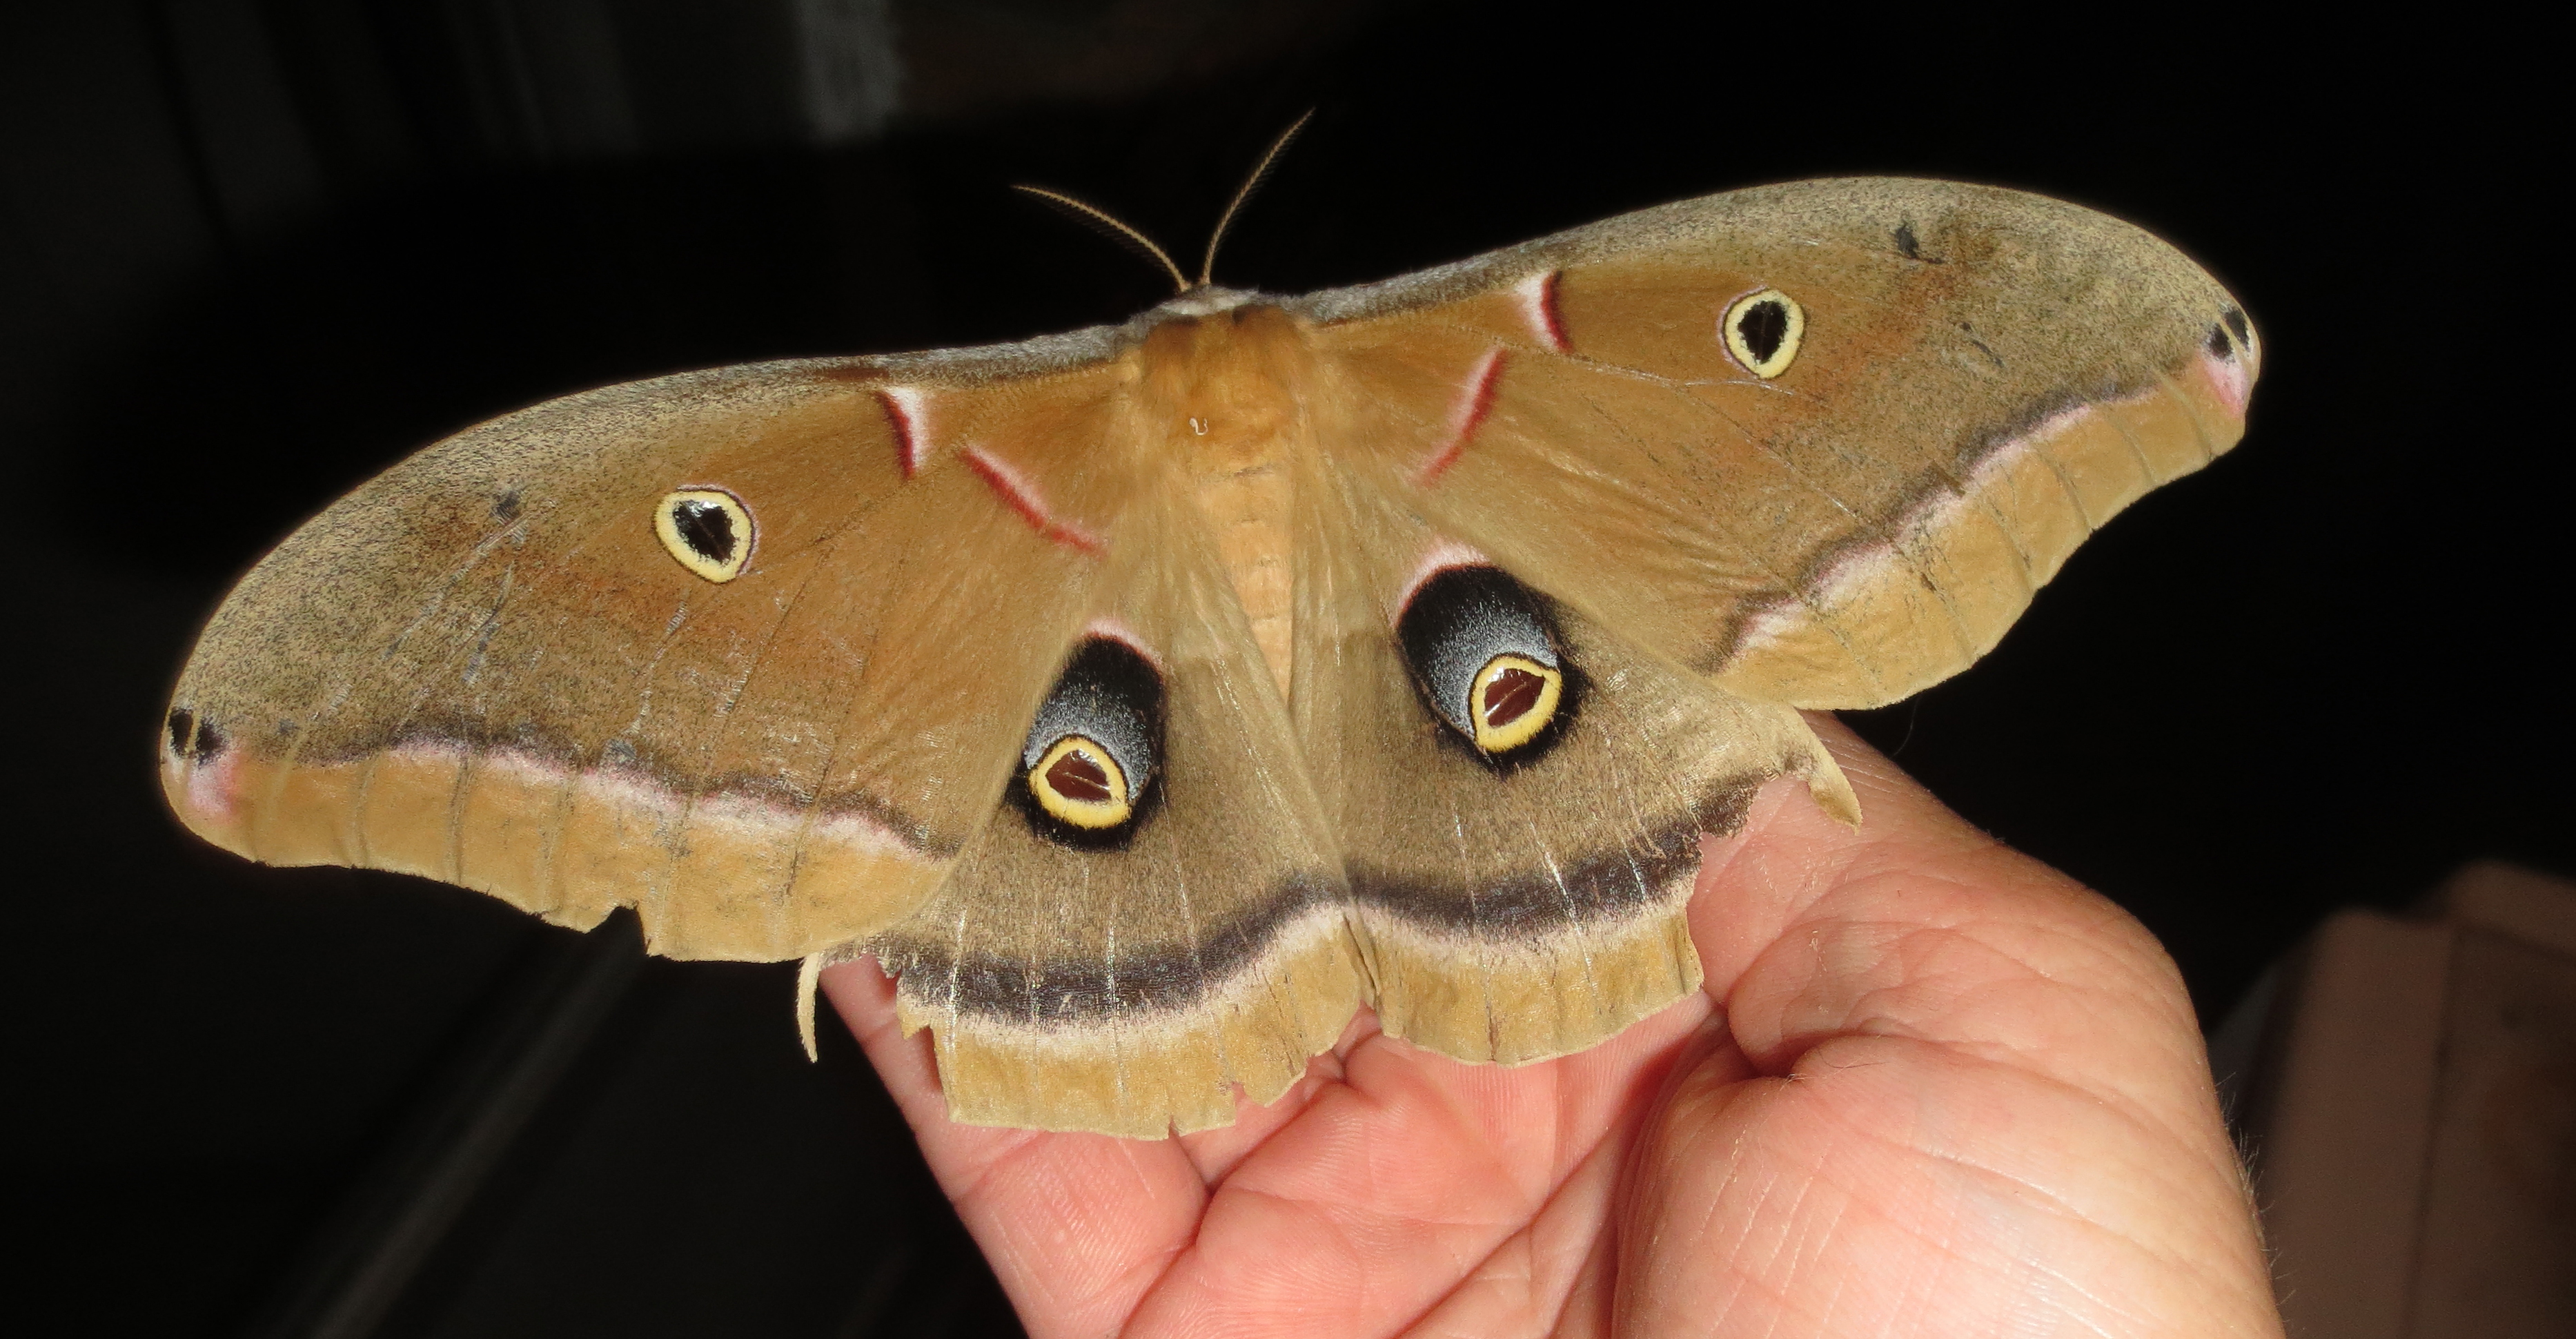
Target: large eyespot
[
  {"x": 707, "y": 529},
  {"x": 1091, "y": 756},
  {"x": 1762, "y": 331},
  {"x": 1483, "y": 653}
]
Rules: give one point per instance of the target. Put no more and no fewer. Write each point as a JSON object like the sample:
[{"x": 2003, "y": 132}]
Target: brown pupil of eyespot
[
  {"x": 705, "y": 527},
  {"x": 1509, "y": 696},
  {"x": 1076, "y": 777}
]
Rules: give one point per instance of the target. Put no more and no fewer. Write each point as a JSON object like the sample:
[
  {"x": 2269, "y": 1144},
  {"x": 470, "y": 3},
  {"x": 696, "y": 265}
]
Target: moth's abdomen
[{"x": 1249, "y": 513}]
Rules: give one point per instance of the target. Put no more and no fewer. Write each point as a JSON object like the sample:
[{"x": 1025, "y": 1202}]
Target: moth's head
[
  {"x": 1203, "y": 300},
  {"x": 1209, "y": 323}
]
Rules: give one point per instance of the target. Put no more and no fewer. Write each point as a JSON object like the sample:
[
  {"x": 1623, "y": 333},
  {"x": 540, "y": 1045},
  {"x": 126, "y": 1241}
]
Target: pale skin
[{"x": 1932, "y": 1087}]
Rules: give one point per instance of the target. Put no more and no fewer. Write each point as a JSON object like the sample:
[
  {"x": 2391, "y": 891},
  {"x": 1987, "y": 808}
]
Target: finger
[
  {"x": 1420, "y": 1178},
  {"x": 1892, "y": 1186},
  {"x": 1216, "y": 1153},
  {"x": 1349, "y": 1209},
  {"x": 1957, "y": 1092},
  {"x": 1558, "y": 1275},
  {"x": 1077, "y": 1227},
  {"x": 1917, "y": 924}
]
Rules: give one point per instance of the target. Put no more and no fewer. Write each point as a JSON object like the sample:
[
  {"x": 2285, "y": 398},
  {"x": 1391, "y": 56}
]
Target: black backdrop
[{"x": 256, "y": 251}]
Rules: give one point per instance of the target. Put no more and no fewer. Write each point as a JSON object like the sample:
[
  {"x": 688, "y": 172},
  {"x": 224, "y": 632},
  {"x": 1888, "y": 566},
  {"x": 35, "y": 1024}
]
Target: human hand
[{"x": 1932, "y": 1087}]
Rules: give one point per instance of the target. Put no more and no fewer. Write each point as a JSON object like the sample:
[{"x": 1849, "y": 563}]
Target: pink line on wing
[
  {"x": 905, "y": 408},
  {"x": 1537, "y": 295},
  {"x": 1466, "y": 415},
  {"x": 214, "y": 787},
  {"x": 1024, "y": 499},
  {"x": 1117, "y": 629},
  {"x": 1439, "y": 556},
  {"x": 2231, "y": 379}
]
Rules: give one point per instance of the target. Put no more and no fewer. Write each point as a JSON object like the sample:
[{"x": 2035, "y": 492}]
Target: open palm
[{"x": 1932, "y": 1087}]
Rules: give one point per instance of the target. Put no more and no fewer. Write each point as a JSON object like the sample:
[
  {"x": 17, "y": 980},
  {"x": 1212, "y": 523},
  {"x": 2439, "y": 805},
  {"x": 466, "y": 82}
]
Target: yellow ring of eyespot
[
  {"x": 667, "y": 527},
  {"x": 1730, "y": 328},
  {"x": 1107, "y": 813},
  {"x": 1522, "y": 729}
]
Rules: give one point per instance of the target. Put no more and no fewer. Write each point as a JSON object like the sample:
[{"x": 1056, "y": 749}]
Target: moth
[{"x": 1151, "y": 697}]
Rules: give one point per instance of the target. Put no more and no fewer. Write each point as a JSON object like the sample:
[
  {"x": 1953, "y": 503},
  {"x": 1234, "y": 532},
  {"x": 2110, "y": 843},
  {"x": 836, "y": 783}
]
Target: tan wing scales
[
  {"x": 1150, "y": 696},
  {"x": 1983, "y": 378},
  {"x": 484, "y": 667},
  {"x": 1514, "y": 910},
  {"x": 1128, "y": 986}
]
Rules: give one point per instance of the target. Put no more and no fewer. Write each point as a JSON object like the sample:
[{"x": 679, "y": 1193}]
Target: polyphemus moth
[{"x": 1149, "y": 698}]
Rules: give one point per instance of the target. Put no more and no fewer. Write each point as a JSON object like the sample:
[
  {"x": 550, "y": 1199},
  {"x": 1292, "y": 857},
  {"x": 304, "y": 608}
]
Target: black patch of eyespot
[
  {"x": 1457, "y": 620},
  {"x": 1906, "y": 245},
  {"x": 1763, "y": 326},
  {"x": 1111, "y": 693},
  {"x": 506, "y": 507},
  {"x": 706, "y": 528},
  {"x": 195, "y": 740},
  {"x": 2230, "y": 321}
]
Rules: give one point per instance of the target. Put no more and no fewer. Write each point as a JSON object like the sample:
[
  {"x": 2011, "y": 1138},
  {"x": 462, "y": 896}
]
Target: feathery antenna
[
  {"x": 1260, "y": 173},
  {"x": 1116, "y": 231},
  {"x": 1108, "y": 225}
]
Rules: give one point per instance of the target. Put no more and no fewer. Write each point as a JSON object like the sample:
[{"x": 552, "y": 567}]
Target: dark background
[{"x": 252, "y": 252}]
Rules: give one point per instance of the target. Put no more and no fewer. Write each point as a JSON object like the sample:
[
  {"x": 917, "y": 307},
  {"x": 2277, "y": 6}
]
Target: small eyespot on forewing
[
  {"x": 707, "y": 530},
  {"x": 1762, "y": 332}
]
